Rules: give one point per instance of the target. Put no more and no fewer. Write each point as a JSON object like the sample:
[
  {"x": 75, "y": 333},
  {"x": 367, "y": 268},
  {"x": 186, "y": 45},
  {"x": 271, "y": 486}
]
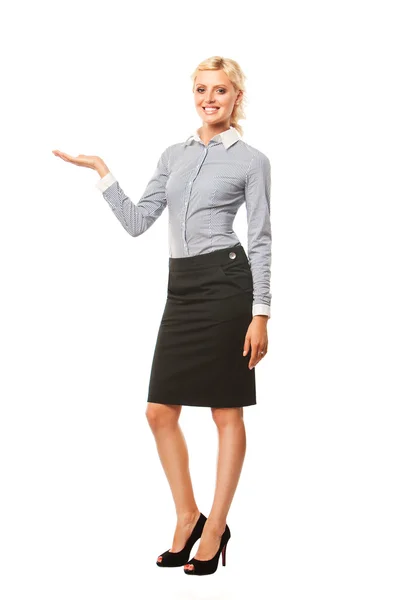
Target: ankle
[
  {"x": 188, "y": 516},
  {"x": 216, "y": 524}
]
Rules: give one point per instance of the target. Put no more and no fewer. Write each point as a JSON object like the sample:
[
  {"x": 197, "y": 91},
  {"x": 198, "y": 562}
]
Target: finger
[
  {"x": 246, "y": 346},
  {"x": 262, "y": 352},
  {"x": 80, "y": 160},
  {"x": 63, "y": 155},
  {"x": 254, "y": 356},
  {"x": 68, "y": 157}
]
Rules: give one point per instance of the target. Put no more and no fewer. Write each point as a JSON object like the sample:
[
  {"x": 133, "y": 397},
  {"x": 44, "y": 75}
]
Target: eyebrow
[{"x": 220, "y": 85}]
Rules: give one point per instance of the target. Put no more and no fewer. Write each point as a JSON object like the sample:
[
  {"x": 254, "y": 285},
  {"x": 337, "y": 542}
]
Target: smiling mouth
[{"x": 210, "y": 109}]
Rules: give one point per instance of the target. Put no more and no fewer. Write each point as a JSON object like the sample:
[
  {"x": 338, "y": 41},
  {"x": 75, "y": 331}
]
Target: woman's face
[{"x": 214, "y": 89}]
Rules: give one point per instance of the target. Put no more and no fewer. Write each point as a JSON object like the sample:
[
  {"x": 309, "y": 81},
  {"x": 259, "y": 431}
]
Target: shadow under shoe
[{"x": 178, "y": 559}]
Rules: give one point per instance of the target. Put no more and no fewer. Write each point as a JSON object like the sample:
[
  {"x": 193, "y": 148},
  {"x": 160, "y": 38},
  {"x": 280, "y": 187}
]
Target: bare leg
[
  {"x": 163, "y": 420},
  {"x": 231, "y": 453}
]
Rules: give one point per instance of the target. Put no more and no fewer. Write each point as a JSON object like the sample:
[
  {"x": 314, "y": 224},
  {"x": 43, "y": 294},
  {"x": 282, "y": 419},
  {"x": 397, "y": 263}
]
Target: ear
[{"x": 239, "y": 97}]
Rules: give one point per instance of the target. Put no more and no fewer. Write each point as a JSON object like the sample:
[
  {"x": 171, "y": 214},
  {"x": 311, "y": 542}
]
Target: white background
[{"x": 85, "y": 508}]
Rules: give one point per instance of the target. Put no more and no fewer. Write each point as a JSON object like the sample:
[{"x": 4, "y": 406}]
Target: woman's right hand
[{"x": 82, "y": 160}]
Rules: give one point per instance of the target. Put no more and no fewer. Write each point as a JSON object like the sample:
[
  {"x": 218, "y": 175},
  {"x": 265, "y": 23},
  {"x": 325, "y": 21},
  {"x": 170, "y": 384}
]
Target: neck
[{"x": 208, "y": 131}]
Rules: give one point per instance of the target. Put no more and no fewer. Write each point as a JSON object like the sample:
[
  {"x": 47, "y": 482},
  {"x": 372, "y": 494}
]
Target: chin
[{"x": 211, "y": 118}]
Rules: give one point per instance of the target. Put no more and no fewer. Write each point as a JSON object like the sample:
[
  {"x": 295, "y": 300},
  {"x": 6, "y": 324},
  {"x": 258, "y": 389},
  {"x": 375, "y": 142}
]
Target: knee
[
  {"x": 227, "y": 416},
  {"x": 162, "y": 415}
]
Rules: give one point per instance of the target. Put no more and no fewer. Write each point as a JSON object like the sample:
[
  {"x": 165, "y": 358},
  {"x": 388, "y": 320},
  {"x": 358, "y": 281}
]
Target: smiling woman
[
  {"x": 212, "y": 332},
  {"x": 219, "y": 94}
]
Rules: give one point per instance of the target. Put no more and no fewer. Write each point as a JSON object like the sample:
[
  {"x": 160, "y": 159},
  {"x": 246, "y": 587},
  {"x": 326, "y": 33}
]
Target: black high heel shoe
[
  {"x": 207, "y": 567},
  {"x": 178, "y": 559}
]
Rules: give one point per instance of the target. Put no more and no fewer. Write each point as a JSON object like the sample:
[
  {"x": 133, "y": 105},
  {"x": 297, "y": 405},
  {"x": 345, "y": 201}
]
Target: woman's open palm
[{"x": 81, "y": 160}]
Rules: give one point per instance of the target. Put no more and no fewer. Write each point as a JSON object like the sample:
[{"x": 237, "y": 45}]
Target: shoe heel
[{"x": 224, "y": 555}]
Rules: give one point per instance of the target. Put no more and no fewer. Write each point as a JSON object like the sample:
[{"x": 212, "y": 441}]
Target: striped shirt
[{"x": 203, "y": 187}]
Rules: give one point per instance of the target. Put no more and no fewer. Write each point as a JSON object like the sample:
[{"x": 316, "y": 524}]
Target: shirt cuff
[
  {"x": 105, "y": 181},
  {"x": 261, "y": 309}
]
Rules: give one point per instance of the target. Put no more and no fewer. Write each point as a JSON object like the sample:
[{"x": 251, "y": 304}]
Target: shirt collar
[{"x": 228, "y": 137}]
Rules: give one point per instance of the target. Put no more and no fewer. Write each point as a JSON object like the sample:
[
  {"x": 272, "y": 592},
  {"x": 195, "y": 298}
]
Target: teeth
[{"x": 210, "y": 110}]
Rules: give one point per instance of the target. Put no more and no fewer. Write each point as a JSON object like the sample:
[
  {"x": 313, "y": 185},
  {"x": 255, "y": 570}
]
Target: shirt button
[{"x": 232, "y": 255}]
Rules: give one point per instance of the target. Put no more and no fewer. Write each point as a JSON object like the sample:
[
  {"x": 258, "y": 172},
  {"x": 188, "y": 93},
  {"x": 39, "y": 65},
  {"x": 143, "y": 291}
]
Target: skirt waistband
[{"x": 218, "y": 257}]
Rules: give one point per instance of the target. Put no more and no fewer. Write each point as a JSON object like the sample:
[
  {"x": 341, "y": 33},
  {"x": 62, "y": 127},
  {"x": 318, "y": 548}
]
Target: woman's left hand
[{"x": 257, "y": 338}]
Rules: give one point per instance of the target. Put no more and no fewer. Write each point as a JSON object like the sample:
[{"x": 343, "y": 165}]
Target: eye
[{"x": 200, "y": 89}]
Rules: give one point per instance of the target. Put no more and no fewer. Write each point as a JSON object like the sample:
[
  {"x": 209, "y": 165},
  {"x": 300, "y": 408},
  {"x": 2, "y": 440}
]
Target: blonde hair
[{"x": 233, "y": 71}]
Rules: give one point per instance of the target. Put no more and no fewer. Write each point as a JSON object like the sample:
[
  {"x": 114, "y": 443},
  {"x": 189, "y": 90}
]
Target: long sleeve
[
  {"x": 137, "y": 218},
  {"x": 257, "y": 195}
]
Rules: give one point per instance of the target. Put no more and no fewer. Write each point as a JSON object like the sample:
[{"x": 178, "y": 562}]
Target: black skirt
[{"x": 198, "y": 358}]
